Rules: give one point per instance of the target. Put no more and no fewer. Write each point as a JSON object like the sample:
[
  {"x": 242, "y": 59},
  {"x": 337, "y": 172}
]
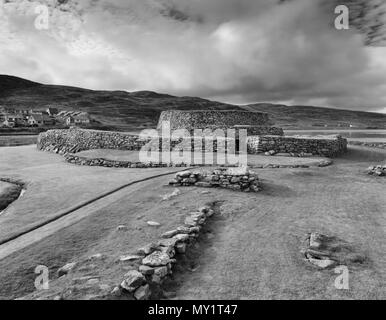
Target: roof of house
[{"x": 40, "y": 117}]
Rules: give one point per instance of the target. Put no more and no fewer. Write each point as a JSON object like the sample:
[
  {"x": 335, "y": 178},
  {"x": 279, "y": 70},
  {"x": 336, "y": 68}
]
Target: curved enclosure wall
[
  {"x": 328, "y": 146},
  {"x": 76, "y": 140}
]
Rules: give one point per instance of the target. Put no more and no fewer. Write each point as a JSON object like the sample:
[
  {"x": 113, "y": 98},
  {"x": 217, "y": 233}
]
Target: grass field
[{"x": 250, "y": 250}]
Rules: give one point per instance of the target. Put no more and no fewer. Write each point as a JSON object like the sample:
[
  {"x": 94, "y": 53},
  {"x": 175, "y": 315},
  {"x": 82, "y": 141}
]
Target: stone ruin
[
  {"x": 262, "y": 137},
  {"x": 236, "y": 179},
  {"x": 255, "y": 123}
]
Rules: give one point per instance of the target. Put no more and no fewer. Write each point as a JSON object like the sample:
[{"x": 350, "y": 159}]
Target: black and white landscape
[{"x": 188, "y": 150}]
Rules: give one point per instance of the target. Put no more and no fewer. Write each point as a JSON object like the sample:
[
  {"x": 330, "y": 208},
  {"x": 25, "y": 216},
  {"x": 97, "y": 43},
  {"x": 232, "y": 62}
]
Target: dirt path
[{"x": 252, "y": 251}]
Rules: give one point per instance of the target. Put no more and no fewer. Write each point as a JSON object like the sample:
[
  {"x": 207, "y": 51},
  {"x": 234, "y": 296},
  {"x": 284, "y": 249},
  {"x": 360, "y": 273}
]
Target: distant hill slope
[
  {"x": 308, "y": 117},
  {"x": 132, "y": 111},
  {"x": 117, "y": 110},
  {"x": 9, "y": 83}
]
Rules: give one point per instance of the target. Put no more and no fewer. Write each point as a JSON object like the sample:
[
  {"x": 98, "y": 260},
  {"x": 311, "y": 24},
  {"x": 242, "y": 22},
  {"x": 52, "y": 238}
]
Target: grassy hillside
[
  {"x": 308, "y": 117},
  {"x": 115, "y": 109},
  {"x": 132, "y": 111}
]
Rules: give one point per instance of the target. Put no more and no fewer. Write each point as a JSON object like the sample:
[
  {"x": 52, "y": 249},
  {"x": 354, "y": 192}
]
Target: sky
[{"x": 236, "y": 51}]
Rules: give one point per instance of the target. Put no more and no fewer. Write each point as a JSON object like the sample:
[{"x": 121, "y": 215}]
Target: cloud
[{"x": 231, "y": 50}]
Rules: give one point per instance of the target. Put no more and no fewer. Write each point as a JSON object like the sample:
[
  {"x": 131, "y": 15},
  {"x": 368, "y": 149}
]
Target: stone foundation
[
  {"x": 236, "y": 179},
  {"x": 328, "y": 146}
]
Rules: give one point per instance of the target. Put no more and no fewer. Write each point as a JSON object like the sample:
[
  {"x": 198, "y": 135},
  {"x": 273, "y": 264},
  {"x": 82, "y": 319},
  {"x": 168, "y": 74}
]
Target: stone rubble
[
  {"x": 66, "y": 269},
  {"x": 157, "y": 260},
  {"x": 236, "y": 179},
  {"x": 379, "y": 170}
]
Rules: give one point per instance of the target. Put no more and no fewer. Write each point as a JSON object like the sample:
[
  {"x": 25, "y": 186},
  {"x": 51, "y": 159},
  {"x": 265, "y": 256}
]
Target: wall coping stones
[{"x": 201, "y": 119}]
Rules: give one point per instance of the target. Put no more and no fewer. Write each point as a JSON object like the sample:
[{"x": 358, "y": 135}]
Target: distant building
[
  {"x": 14, "y": 120},
  {"x": 78, "y": 119},
  {"x": 37, "y": 119},
  {"x": 41, "y": 112},
  {"x": 52, "y": 111},
  {"x": 24, "y": 112}
]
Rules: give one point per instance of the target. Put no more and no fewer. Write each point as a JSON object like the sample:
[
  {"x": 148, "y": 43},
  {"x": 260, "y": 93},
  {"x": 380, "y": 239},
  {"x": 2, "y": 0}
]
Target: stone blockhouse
[{"x": 262, "y": 137}]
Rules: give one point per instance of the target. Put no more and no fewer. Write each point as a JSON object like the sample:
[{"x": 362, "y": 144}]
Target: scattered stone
[
  {"x": 116, "y": 292},
  {"x": 181, "y": 237},
  {"x": 146, "y": 270},
  {"x": 156, "y": 259},
  {"x": 377, "y": 170},
  {"x": 181, "y": 248},
  {"x": 130, "y": 258},
  {"x": 97, "y": 256},
  {"x": 183, "y": 174},
  {"x": 194, "y": 229},
  {"x": 183, "y": 229},
  {"x": 169, "y": 250},
  {"x": 133, "y": 280},
  {"x": 210, "y": 213},
  {"x": 146, "y": 250},
  {"x": 321, "y": 263},
  {"x": 66, "y": 269},
  {"x": 161, "y": 271},
  {"x": 175, "y": 193},
  {"x": 169, "y": 234},
  {"x": 92, "y": 281},
  {"x": 314, "y": 240},
  {"x": 167, "y": 242},
  {"x": 142, "y": 293},
  {"x": 191, "y": 222},
  {"x": 84, "y": 279},
  {"x": 153, "y": 223}
]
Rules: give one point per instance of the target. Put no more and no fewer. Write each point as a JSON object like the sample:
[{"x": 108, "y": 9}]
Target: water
[
  {"x": 351, "y": 135},
  {"x": 17, "y": 140}
]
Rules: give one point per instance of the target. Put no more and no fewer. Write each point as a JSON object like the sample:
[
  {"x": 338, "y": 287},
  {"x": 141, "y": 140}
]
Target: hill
[
  {"x": 117, "y": 110},
  {"x": 309, "y": 117},
  {"x": 132, "y": 111}
]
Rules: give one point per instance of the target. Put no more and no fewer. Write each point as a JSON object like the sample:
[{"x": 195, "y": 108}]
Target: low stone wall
[
  {"x": 328, "y": 146},
  {"x": 237, "y": 179},
  {"x": 150, "y": 266},
  {"x": 378, "y": 145},
  {"x": 101, "y": 162},
  {"x": 76, "y": 140}
]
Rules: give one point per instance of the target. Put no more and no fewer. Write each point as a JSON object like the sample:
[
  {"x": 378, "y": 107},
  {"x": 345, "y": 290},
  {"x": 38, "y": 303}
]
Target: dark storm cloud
[{"x": 232, "y": 50}]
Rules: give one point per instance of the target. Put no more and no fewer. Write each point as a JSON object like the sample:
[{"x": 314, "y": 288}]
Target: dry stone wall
[
  {"x": 328, "y": 146},
  {"x": 76, "y": 140},
  {"x": 194, "y": 119},
  {"x": 236, "y": 179}
]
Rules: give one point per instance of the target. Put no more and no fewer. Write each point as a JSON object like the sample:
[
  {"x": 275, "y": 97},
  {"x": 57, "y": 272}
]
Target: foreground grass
[{"x": 251, "y": 250}]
